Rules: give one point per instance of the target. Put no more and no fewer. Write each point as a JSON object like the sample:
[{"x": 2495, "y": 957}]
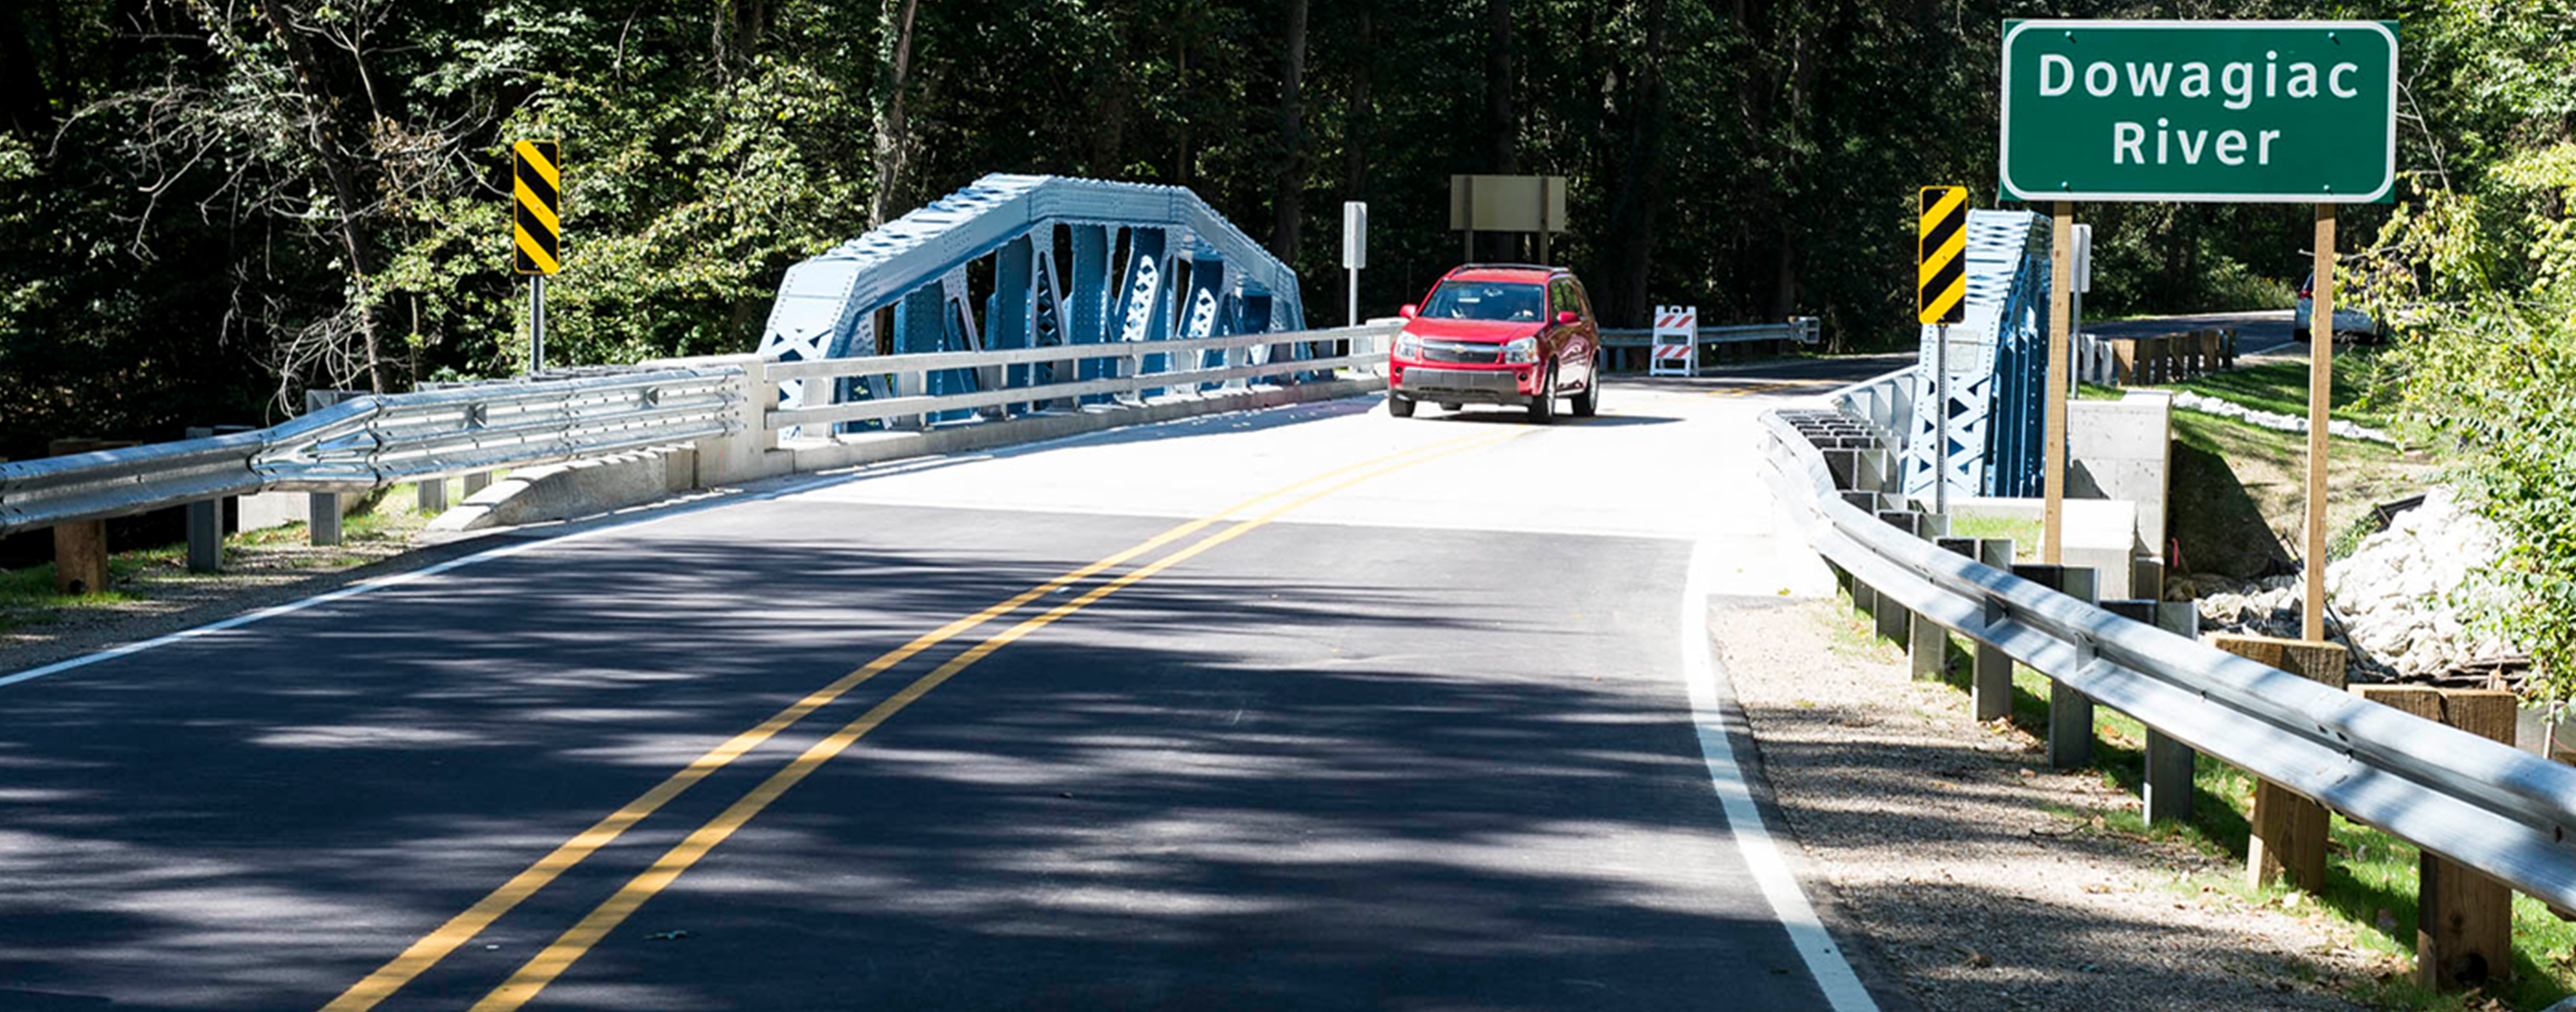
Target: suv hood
[{"x": 1490, "y": 331}]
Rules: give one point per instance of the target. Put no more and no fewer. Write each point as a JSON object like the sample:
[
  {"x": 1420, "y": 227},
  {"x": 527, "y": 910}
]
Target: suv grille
[{"x": 1466, "y": 352}]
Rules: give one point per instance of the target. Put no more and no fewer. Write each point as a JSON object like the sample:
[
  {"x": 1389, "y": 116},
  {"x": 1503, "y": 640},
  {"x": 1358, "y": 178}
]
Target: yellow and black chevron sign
[
  {"x": 536, "y": 220},
  {"x": 1941, "y": 242}
]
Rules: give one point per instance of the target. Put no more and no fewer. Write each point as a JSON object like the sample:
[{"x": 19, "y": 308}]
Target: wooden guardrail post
[
  {"x": 2289, "y": 831},
  {"x": 80, "y": 547},
  {"x": 2124, "y": 361},
  {"x": 2463, "y": 919}
]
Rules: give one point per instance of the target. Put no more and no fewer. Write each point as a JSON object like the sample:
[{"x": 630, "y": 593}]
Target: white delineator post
[{"x": 1354, "y": 252}]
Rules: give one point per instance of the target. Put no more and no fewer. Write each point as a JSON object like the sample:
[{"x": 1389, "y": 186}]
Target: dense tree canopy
[{"x": 208, "y": 205}]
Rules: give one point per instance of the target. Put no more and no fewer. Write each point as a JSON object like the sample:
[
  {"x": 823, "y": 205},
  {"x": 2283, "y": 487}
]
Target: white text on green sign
[{"x": 2300, "y": 112}]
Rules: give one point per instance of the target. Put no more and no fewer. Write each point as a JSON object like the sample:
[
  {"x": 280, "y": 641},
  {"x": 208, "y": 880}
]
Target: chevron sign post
[
  {"x": 1941, "y": 277},
  {"x": 1674, "y": 351}
]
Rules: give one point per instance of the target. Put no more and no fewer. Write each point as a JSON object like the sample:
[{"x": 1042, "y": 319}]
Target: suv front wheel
[
  {"x": 1542, "y": 407},
  {"x": 1589, "y": 401},
  {"x": 1400, "y": 407}
]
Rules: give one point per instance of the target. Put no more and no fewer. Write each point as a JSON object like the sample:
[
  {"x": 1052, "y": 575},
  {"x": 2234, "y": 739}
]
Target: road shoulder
[{"x": 1949, "y": 844}]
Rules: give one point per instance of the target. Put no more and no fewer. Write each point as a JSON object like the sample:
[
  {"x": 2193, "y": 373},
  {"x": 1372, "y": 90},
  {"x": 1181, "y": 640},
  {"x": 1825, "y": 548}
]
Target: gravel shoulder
[{"x": 1987, "y": 881}]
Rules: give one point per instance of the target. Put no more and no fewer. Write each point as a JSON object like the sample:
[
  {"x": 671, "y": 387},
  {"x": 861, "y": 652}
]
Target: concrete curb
[
  {"x": 860, "y": 448},
  {"x": 575, "y": 489},
  {"x": 590, "y": 487}
]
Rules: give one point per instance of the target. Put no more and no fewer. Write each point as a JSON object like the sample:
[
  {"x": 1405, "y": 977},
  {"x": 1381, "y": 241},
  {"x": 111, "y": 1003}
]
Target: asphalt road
[
  {"x": 2261, "y": 332},
  {"x": 1309, "y": 708}
]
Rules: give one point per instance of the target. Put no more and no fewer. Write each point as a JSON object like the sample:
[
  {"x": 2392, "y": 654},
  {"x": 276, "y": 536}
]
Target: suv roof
[{"x": 1504, "y": 272}]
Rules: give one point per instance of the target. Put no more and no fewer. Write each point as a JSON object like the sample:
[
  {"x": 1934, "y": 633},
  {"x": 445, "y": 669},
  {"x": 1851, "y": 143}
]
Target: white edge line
[
  {"x": 505, "y": 551},
  {"x": 1825, "y": 961}
]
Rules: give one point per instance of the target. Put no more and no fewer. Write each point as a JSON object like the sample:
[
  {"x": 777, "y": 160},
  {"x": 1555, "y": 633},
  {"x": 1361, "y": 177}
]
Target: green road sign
[{"x": 2271, "y": 111}]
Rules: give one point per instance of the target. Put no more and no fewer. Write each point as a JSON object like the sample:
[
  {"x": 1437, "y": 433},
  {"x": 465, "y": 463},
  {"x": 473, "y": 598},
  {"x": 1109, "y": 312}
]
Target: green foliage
[
  {"x": 229, "y": 203},
  {"x": 2480, "y": 275}
]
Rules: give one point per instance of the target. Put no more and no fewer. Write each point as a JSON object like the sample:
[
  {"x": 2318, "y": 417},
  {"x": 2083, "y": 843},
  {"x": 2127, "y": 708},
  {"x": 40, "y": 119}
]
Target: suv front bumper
[{"x": 1462, "y": 386}]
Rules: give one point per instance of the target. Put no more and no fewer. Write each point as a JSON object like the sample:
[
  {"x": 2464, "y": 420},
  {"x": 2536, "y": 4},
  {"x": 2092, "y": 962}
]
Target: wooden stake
[
  {"x": 2288, "y": 831},
  {"x": 2061, "y": 293},
  {"x": 2464, "y": 920},
  {"x": 2312, "y": 618},
  {"x": 80, "y": 546}
]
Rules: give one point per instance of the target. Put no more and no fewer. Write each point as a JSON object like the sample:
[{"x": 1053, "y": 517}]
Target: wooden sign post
[
  {"x": 2061, "y": 294},
  {"x": 2321, "y": 334}
]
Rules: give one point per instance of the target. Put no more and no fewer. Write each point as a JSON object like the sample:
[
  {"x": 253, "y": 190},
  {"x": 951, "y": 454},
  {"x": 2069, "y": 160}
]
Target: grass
[
  {"x": 2024, "y": 532},
  {"x": 2238, "y": 493},
  {"x": 2365, "y": 385},
  {"x": 2370, "y": 896},
  {"x": 384, "y": 519}
]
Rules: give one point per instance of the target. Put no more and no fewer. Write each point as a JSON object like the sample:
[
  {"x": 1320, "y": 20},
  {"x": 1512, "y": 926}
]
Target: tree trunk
[
  {"x": 322, "y": 134},
  {"x": 1640, "y": 187},
  {"x": 894, "y": 76},
  {"x": 1802, "y": 78},
  {"x": 1181, "y": 85},
  {"x": 1502, "y": 134},
  {"x": 22, "y": 91},
  {"x": 1108, "y": 123},
  {"x": 1359, "y": 121},
  {"x": 1755, "y": 60},
  {"x": 1287, "y": 203}
]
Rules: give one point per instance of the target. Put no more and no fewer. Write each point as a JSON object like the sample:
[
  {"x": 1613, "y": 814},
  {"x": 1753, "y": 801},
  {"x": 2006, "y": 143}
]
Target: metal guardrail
[
  {"x": 371, "y": 442},
  {"x": 2477, "y": 802},
  {"x": 1182, "y": 365},
  {"x": 1802, "y": 329}
]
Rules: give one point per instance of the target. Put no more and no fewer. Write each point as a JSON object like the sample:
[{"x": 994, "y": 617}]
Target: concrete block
[
  {"x": 277, "y": 509},
  {"x": 2126, "y": 448},
  {"x": 562, "y": 491},
  {"x": 854, "y": 449},
  {"x": 323, "y": 514}
]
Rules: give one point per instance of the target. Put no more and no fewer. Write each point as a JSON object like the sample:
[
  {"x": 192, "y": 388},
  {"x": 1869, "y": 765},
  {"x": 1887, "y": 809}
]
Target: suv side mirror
[
  {"x": 1568, "y": 317},
  {"x": 1409, "y": 311}
]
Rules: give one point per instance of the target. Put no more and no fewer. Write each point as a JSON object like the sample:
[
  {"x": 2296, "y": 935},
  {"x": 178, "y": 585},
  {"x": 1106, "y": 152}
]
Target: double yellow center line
[{"x": 550, "y": 963}]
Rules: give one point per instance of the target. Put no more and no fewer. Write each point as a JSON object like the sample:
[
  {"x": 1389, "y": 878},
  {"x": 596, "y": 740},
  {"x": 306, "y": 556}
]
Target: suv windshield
[{"x": 1484, "y": 300}]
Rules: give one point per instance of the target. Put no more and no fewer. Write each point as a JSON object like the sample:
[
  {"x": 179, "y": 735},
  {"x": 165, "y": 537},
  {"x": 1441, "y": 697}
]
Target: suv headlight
[
  {"x": 1522, "y": 351},
  {"x": 1408, "y": 346}
]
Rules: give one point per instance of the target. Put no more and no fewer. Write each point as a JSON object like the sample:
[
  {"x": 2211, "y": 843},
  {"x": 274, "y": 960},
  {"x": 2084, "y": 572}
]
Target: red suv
[{"x": 1512, "y": 334}]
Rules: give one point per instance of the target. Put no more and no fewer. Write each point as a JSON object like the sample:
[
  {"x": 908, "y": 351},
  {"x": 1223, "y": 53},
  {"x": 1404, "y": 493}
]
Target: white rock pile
[
  {"x": 2396, "y": 591},
  {"x": 2275, "y": 420},
  {"x": 2394, "y": 595}
]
